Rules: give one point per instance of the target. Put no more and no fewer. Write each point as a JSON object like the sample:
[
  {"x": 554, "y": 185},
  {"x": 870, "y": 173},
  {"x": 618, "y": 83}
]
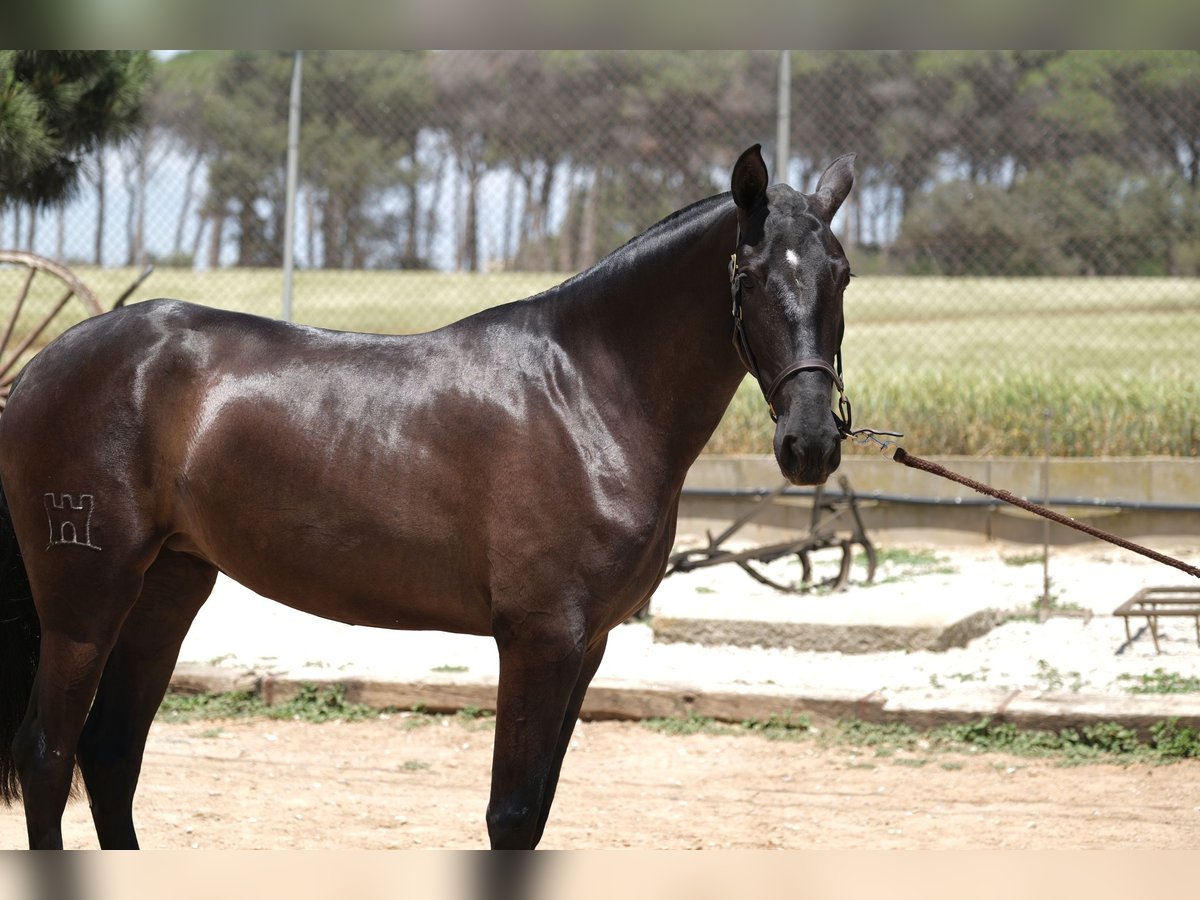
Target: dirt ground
[{"x": 387, "y": 784}]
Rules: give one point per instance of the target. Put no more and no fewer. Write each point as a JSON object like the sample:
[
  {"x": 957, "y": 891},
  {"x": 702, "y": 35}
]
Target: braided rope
[{"x": 924, "y": 465}]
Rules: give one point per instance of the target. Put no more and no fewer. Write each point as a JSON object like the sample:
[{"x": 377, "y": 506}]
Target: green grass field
[
  {"x": 392, "y": 302},
  {"x": 961, "y": 365},
  {"x": 970, "y": 366}
]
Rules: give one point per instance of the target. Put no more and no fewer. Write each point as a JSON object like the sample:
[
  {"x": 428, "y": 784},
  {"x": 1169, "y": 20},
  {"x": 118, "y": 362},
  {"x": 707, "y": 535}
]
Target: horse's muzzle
[{"x": 808, "y": 457}]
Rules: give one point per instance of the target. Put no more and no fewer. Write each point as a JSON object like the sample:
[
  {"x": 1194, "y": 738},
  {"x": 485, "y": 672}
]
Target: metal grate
[{"x": 1157, "y": 602}]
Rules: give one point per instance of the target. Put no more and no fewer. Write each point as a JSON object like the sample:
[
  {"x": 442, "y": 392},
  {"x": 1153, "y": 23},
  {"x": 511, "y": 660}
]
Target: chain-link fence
[{"x": 1017, "y": 215}]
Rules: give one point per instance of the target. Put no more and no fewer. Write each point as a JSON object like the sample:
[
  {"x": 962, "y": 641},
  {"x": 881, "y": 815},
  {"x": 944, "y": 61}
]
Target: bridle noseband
[{"x": 843, "y": 417}]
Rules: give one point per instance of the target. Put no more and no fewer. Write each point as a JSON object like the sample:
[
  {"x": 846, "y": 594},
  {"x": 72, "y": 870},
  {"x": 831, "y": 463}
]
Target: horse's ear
[
  {"x": 749, "y": 181},
  {"x": 834, "y": 185}
]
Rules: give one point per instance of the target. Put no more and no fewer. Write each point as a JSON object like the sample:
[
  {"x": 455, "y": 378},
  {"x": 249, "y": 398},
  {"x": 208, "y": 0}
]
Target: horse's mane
[
  {"x": 672, "y": 222},
  {"x": 682, "y": 224}
]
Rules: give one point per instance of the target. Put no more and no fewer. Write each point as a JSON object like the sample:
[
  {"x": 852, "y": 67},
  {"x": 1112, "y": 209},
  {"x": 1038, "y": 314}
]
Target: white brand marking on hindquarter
[
  {"x": 793, "y": 259},
  {"x": 70, "y": 522}
]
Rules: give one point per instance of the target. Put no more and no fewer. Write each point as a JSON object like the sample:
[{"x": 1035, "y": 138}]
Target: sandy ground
[{"x": 387, "y": 785}]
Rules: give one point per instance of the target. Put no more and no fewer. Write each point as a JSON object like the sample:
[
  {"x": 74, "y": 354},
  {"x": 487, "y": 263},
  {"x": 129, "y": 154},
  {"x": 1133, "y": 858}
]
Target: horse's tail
[{"x": 20, "y": 637}]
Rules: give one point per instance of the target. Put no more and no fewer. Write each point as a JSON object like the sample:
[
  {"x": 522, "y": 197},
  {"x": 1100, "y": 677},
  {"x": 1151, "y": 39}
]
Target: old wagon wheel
[
  {"x": 804, "y": 557},
  {"x": 47, "y": 292}
]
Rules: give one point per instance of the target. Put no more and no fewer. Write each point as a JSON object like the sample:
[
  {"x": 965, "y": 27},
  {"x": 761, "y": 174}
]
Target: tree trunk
[
  {"x": 310, "y": 230},
  {"x": 521, "y": 252},
  {"x": 587, "y": 224},
  {"x": 853, "y": 227},
  {"x": 470, "y": 226},
  {"x": 60, "y": 236},
  {"x": 507, "y": 251},
  {"x": 460, "y": 236},
  {"x": 100, "y": 179},
  {"x": 414, "y": 218},
  {"x": 129, "y": 179},
  {"x": 568, "y": 228},
  {"x": 139, "y": 228},
  {"x": 425, "y": 248},
  {"x": 355, "y": 255},
  {"x": 540, "y": 231},
  {"x": 245, "y": 220},
  {"x": 215, "y": 238},
  {"x": 197, "y": 239},
  {"x": 331, "y": 233},
  {"x": 274, "y": 243},
  {"x": 189, "y": 193}
]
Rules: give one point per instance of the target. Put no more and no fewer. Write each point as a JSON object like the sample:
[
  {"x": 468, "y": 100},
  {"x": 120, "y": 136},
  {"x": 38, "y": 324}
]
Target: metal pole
[
  {"x": 289, "y": 218},
  {"x": 783, "y": 119},
  {"x": 1047, "y": 601}
]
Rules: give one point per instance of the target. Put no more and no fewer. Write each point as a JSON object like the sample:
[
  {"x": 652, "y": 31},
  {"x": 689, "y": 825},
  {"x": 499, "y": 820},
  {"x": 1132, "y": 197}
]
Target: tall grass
[
  {"x": 1003, "y": 413},
  {"x": 970, "y": 366}
]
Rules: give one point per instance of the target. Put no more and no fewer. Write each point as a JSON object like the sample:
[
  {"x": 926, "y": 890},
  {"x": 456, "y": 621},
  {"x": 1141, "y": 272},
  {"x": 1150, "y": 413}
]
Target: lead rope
[
  {"x": 915, "y": 462},
  {"x": 863, "y": 436}
]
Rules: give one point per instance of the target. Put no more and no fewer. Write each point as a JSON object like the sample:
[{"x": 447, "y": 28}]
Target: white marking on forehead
[{"x": 793, "y": 259}]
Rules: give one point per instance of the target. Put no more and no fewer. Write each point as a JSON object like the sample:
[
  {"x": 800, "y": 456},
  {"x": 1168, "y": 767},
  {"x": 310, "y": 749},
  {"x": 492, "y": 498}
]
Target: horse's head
[{"x": 788, "y": 274}]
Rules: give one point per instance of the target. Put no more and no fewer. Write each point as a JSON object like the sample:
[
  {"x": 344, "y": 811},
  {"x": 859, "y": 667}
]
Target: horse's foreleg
[
  {"x": 135, "y": 679},
  {"x": 591, "y": 662},
  {"x": 539, "y": 671}
]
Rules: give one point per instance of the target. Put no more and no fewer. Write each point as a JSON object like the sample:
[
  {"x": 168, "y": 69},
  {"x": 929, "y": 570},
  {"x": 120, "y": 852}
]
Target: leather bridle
[{"x": 843, "y": 416}]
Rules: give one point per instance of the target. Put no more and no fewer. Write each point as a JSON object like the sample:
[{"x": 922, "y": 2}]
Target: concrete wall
[{"x": 955, "y": 518}]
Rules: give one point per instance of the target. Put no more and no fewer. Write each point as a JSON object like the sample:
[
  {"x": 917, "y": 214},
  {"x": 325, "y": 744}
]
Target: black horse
[{"x": 516, "y": 474}]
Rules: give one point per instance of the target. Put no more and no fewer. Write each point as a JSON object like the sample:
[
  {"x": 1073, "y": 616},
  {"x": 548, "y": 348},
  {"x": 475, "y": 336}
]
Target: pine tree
[{"x": 56, "y": 108}]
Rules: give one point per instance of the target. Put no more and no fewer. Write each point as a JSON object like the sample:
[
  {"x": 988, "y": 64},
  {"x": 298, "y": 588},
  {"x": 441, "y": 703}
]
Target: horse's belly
[{"x": 360, "y": 575}]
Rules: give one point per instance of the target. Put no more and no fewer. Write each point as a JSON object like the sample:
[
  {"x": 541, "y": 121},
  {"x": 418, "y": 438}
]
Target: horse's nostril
[
  {"x": 800, "y": 455},
  {"x": 792, "y": 453},
  {"x": 833, "y": 456}
]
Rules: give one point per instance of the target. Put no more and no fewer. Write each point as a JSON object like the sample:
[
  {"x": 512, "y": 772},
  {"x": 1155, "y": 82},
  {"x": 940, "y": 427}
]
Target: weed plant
[
  {"x": 1109, "y": 742},
  {"x": 1168, "y": 740},
  {"x": 1160, "y": 681},
  {"x": 310, "y": 704}
]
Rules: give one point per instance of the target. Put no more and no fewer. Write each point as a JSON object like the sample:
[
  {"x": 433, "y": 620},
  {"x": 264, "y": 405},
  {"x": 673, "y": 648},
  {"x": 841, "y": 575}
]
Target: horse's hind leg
[
  {"x": 81, "y": 614},
  {"x": 134, "y": 682}
]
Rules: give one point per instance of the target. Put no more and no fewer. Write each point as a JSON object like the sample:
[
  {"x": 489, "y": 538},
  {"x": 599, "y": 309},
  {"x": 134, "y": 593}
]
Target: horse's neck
[{"x": 663, "y": 312}]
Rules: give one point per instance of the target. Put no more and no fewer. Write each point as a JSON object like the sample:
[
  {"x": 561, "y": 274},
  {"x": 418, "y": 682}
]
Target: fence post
[
  {"x": 289, "y": 220},
  {"x": 783, "y": 117}
]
